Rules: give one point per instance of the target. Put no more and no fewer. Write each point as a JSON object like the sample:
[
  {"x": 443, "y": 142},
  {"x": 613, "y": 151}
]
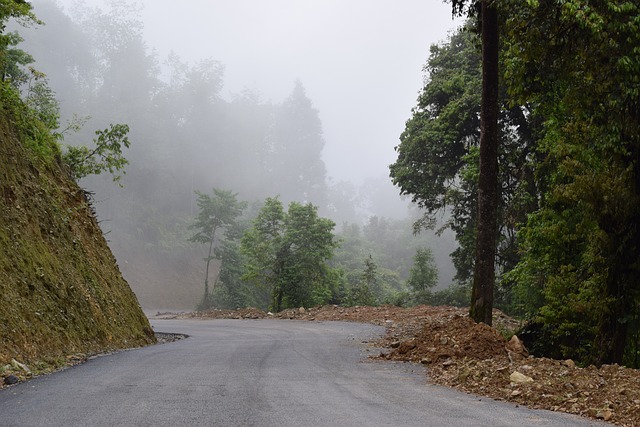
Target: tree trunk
[
  {"x": 484, "y": 269},
  {"x": 206, "y": 276}
]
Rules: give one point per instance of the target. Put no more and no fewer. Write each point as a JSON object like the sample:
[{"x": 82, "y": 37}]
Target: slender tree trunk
[
  {"x": 206, "y": 276},
  {"x": 488, "y": 193}
]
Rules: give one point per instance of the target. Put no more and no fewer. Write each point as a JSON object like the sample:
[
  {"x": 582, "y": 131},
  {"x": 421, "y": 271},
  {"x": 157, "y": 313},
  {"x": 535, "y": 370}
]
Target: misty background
[{"x": 305, "y": 100}]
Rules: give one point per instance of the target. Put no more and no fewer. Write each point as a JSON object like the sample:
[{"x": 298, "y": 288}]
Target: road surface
[{"x": 255, "y": 373}]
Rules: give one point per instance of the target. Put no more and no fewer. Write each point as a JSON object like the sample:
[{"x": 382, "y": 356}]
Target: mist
[{"x": 304, "y": 100}]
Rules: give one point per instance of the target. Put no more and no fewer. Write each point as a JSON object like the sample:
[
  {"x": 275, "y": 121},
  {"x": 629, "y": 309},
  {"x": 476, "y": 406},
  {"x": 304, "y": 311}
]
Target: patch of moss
[{"x": 61, "y": 292}]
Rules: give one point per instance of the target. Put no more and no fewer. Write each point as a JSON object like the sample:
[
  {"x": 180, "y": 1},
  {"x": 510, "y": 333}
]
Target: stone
[
  {"x": 406, "y": 346},
  {"x": 516, "y": 349},
  {"x": 605, "y": 415},
  {"x": 20, "y": 366},
  {"x": 11, "y": 379},
  {"x": 301, "y": 310},
  {"x": 569, "y": 363},
  {"x": 518, "y": 378}
]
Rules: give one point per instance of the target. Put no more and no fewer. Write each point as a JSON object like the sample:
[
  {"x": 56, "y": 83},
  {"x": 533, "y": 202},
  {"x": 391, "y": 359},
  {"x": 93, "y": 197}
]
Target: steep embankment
[{"x": 60, "y": 289}]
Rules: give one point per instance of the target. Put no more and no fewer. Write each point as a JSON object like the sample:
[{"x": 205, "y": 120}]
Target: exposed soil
[
  {"x": 61, "y": 292},
  {"x": 478, "y": 359}
]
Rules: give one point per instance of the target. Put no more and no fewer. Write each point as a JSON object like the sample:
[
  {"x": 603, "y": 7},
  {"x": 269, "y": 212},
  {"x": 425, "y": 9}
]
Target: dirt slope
[
  {"x": 478, "y": 359},
  {"x": 61, "y": 292}
]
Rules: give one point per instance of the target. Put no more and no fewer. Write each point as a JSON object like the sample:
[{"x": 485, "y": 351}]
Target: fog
[
  {"x": 301, "y": 99},
  {"x": 360, "y": 61}
]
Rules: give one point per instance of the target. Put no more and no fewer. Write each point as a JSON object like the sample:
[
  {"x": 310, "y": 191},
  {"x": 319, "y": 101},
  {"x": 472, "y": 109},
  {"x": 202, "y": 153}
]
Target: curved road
[{"x": 255, "y": 373}]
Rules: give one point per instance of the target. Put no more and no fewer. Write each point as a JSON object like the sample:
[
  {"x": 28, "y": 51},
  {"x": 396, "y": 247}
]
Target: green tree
[
  {"x": 230, "y": 291},
  {"x": 577, "y": 63},
  {"x": 105, "y": 156},
  {"x": 216, "y": 212},
  {"x": 488, "y": 185},
  {"x": 438, "y": 156},
  {"x": 423, "y": 276},
  {"x": 12, "y": 59},
  {"x": 287, "y": 254},
  {"x": 364, "y": 291},
  {"x": 294, "y": 153}
]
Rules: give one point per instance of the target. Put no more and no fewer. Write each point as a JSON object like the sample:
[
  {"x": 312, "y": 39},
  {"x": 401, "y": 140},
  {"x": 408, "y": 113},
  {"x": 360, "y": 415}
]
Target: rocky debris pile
[
  {"x": 165, "y": 337},
  {"x": 478, "y": 359},
  {"x": 16, "y": 372}
]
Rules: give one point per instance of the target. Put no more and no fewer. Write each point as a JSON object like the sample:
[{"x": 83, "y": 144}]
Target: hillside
[{"x": 61, "y": 292}]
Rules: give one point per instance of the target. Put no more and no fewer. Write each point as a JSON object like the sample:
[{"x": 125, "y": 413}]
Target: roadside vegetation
[{"x": 61, "y": 293}]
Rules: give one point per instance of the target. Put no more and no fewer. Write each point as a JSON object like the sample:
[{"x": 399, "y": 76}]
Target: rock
[
  {"x": 20, "y": 366},
  {"x": 516, "y": 349},
  {"x": 604, "y": 415},
  {"x": 518, "y": 378},
  {"x": 569, "y": 363},
  {"x": 515, "y": 393},
  {"x": 425, "y": 360},
  {"x": 395, "y": 344},
  {"x": 301, "y": 310},
  {"x": 448, "y": 362},
  {"x": 406, "y": 346},
  {"x": 11, "y": 379}
]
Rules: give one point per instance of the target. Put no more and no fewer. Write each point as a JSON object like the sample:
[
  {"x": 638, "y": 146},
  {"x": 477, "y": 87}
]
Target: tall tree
[
  {"x": 287, "y": 253},
  {"x": 423, "y": 276},
  {"x": 488, "y": 190},
  {"x": 578, "y": 63},
  {"x": 438, "y": 156},
  {"x": 219, "y": 210},
  {"x": 294, "y": 150}
]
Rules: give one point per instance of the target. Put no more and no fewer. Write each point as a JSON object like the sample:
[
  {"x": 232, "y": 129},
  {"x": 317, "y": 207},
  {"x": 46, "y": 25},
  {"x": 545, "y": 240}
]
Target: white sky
[{"x": 360, "y": 61}]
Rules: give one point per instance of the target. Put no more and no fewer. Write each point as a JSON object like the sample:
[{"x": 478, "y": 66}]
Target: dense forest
[
  {"x": 568, "y": 177},
  {"x": 187, "y": 141},
  {"x": 244, "y": 177}
]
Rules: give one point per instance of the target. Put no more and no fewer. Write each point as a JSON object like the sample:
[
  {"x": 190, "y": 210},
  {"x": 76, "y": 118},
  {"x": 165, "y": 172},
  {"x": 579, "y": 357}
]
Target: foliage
[
  {"x": 218, "y": 211},
  {"x": 60, "y": 288},
  {"x": 10, "y": 58},
  {"x": 578, "y": 64},
  {"x": 438, "y": 156},
  {"x": 287, "y": 254},
  {"x": 423, "y": 276},
  {"x": 14, "y": 60},
  {"x": 105, "y": 156},
  {"x": 364, "y": 291},
  {"x": 455, "y": 295},
  {"x": 294, "y": 150}
]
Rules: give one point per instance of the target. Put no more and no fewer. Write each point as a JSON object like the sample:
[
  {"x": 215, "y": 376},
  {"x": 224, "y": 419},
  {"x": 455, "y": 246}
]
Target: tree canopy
[
  {"x": 287, "y": 253},
  {"x": 569, "y": 172}
]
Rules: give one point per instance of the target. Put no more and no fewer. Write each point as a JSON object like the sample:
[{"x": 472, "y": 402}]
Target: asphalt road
[{"x": 255, "y": 373}]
